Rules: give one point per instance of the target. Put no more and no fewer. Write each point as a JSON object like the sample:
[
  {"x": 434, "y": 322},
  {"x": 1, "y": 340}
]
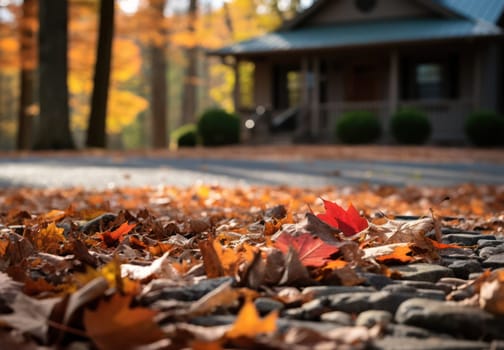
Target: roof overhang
[{"x": 362, "y": 35}]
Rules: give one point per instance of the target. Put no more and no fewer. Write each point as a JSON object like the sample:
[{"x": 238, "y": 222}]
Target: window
[{"x": 429, "y": 80}]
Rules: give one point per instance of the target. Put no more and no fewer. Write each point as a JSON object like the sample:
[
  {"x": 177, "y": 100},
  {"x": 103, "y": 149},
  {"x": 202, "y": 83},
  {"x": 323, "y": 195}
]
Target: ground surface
[
  {"x": 298, "y": 166},
  {"x": 99, "y": 250}
]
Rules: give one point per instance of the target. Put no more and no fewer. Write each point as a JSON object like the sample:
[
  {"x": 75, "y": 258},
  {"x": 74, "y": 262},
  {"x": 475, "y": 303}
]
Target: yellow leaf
[
  {"x": 114, "y": 325},
  {"x": 49, "y": 239},
  {"x": 249, "y": 324},
  {"x": 112, "y": 273}
]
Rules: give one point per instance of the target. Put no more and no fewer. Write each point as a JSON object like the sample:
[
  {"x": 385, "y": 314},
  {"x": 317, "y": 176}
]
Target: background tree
[
  {"x": 54, "y": 122},
  {"x": 189, "y": 98},
  {"x": 158, "y": 78},
  {"x": 28, "y": 27},
  {"x": 96, "y": 131}
]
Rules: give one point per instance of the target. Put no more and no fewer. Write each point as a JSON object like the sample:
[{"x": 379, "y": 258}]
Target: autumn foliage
[{"x": 97, "y": 267}]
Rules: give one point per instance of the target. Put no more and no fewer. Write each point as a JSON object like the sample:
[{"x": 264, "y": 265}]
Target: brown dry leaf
[
  {"x": 114, "y": 325},
  {"x": 211, "y": 261},
  {"x": 222, "y": 296},
  {"x": 249, "y": 324},
  {"x": 491, "y": 296},
  {"x": 3, "y": 246},
  {"x": 294, "y": 273}
]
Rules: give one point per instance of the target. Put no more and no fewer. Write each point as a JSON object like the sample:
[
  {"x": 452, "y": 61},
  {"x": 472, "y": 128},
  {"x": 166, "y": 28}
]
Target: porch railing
[{"x": 446, "y": 117}]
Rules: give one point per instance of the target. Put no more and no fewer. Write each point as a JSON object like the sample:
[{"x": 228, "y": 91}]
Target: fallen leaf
[
  {"x": 348, "y": 221},
  {"x": 111, "y": 237},
  {"x": 249, "y": 324},
  {"x": 224, "y": 295},
  {"x": 112, "y": 274},
  {"x": 335, "y": 264},
  {"x": 401, "y": 253},
  {"x": 159, "y": 268},
  {"x": 49, "y": 239},
  {"x": 114, "y": 325},
  {"x": 439, "y": 245},
  {"x": 54, "y": 215},
  {"x": 491, "y": 296},
  {"x": 294, "y": 272},
  {"x": 312, "y": 250},
  {"x": 30, "y": 315}
]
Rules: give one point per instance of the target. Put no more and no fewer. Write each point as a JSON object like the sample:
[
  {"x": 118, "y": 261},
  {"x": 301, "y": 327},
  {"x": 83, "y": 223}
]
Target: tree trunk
[
  {"x": 159, "y": 86},
  {"x": 27, "y": 74},
  {"x": 54, "y": 124},
  {"x": 97, "y": 125},
  {"x": 189, "y": 98}
]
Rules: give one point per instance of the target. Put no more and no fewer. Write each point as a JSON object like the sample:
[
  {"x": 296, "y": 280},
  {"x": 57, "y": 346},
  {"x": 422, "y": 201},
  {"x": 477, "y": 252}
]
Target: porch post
[
  {"x": 477, "y": 80},
  {"x": 393, "y": 93},
  {"x": 236, "y": 87},
  {"x": 393, "y": 82},
  {"x": 305, "y": 98},
  {"x": 315, "y": 100}
]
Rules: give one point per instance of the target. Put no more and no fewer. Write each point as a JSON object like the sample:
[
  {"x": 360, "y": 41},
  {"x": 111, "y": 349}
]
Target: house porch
[{"x": 447, "y": 82}]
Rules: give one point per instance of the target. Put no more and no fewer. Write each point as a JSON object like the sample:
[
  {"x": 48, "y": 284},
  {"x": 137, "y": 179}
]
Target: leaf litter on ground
[{"x": 124, "y": 267}]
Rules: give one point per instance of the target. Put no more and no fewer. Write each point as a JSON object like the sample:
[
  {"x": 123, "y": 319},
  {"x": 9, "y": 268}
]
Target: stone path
[{"x": 413, "y": 311}]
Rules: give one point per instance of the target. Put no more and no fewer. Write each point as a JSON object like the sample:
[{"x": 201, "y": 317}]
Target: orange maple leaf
[
  {"x": 348, "y": 221},
  {"x": 312, "y": 250},
  {"x": 114, "y": 325},
  {"x": 399, "y": 254},
  {"x": 440, "y": 245},
  {"x": 249, "y": 324},
  {"x": 111, "y": 237}
]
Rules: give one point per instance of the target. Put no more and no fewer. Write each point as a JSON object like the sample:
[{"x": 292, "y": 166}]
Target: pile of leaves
[{"x": 94, "y": 267}]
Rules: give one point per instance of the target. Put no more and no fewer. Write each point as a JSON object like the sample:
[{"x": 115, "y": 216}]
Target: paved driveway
[{"x": 98, "y": 172}]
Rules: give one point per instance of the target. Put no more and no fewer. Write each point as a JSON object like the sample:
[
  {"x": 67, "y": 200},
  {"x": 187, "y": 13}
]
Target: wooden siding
[{"x": 345, "y": 11}]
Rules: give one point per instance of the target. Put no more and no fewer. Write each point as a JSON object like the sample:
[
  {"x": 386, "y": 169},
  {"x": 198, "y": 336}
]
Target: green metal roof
[
  {"x": 486, "y": 10},
  {"x": 361, "y": 33}
]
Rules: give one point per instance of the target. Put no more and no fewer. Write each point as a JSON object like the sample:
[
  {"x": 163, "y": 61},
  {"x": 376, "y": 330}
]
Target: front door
[{"x": 363, "y": 82}]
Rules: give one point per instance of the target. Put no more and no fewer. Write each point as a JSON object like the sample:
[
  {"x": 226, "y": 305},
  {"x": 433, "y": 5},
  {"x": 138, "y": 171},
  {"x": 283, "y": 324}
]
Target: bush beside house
[
  {"x": 410, "y": 127},
  {"x": 358, "y": 127},
  {"x": 485, "y": 129},
  {"x": 217, "y": 127}
]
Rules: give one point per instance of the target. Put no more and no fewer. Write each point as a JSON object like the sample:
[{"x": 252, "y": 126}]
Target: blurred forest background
[{"x": 120, "y": 74}]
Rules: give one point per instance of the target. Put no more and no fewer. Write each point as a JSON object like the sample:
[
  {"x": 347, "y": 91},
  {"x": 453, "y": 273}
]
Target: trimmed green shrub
[
  {"x": 410, "y": 127},
  {"x": 217, "y": 127},
  {"x": 358, "y": 127},
  {"x": 185, "y": 136},
  {"x": 485, "y": 129}
]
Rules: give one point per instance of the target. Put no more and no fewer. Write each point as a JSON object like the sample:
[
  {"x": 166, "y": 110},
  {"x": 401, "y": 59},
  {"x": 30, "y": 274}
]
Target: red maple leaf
[
  {"x": 110, "y": 237},
  {"x": 348, "y": 221},
  {"x": 312, "y": 250}
]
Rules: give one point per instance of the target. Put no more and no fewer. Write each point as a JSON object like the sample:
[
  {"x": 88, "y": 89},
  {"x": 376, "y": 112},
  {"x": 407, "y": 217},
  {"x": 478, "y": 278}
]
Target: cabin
[{"x": 443, "y": 57}]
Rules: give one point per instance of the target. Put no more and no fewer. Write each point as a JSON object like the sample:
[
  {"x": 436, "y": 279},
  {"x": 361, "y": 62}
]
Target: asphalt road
[{"x": 99, "y": 172}]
